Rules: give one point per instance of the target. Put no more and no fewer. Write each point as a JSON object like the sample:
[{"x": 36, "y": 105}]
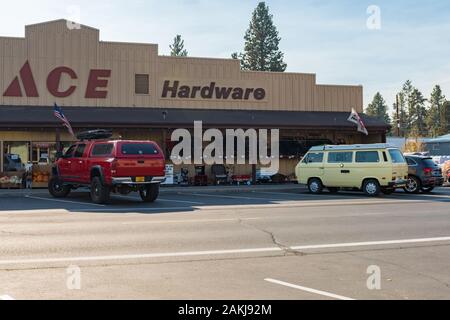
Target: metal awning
[{"x": 140, "y": 117}]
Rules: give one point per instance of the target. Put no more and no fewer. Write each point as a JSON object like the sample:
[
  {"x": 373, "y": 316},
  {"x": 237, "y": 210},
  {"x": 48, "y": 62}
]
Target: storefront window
[
  {"x": 43, "y": 152},
  {"x": 15, "y": 155}
]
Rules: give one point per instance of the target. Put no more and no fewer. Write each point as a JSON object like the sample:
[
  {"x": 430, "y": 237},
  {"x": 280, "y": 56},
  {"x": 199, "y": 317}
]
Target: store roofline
[{"x": 138, "y": 117}]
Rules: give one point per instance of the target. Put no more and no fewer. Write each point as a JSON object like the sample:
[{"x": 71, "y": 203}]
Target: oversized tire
[
  {"x": 333, "y": 190},
  {"x": 371, "y": 187},
  {"x": 149, "y": 193},
  {"x": 388, "y": 191},
  {"x": 427, "y": 190},
  {"x": 57, "y": 189},
  {"x": 413, "y": 185},
  {"x": 100, "y": 193},
  {"x": 315, "y": 186}
]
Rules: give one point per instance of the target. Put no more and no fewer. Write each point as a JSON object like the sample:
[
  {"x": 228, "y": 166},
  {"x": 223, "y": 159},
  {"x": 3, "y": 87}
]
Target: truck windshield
[
  {"x": 397, "y": 156},
  {"x": 139, "y": 149}
]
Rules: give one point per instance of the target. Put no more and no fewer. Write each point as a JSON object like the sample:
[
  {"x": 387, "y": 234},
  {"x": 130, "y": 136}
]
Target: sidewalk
[{"x": 175, "y": 189}]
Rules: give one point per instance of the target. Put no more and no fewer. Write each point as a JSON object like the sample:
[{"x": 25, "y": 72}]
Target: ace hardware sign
[{"x": 96, "y": 87}]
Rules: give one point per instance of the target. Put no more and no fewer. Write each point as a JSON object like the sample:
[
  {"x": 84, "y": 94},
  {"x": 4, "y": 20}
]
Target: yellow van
[{"x": 373, "y": 168}]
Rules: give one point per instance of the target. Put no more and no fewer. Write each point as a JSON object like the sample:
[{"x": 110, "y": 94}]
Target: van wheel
[
  {"x": 371, "y": 188},
  {"x": 315, "y": 186},
  {"x": 333, "y": 190},
  {"x": 149, "y": 193},
  {"x": 99, "y": 193},
  {"x": 413, "y": 185},
  {"x": 57, "y": 189}
]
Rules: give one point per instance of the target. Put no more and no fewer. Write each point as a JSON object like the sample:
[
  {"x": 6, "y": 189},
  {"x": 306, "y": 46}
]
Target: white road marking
[
  {"x": 67, "y": 201},
  {"x": 233, "y": 197},
  {"x": 6, "y": 297},
  {"x": 310, "y": 290},
  {"x": 192, "y": 221},
  {"x": 369, "y": 243},
  {"x": 180, "y": 201},
  {"x": 219, "y": 252},
  {"x": 159, "y": 199}
]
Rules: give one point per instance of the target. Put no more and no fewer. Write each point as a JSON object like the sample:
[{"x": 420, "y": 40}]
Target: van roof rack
[
  {"x": 352, "y": 147},
  {"x": 94, "y": 134}
]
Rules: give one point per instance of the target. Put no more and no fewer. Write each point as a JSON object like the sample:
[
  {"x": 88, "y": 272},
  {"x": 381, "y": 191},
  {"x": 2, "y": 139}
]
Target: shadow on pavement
[{"x": 188, "y": 201}]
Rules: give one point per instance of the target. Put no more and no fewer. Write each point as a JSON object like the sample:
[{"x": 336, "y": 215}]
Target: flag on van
[
  {"x": 355, "y": 118},
  {"x": 57, "y": 111}
]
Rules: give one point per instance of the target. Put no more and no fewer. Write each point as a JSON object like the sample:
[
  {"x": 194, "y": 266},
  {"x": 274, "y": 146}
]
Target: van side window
[
  {"x": 385, "y": 158},
  {"x": 314, "y": 157},
  {"x": 340, "y": 157},
  {"x": 397, "y": 156},
  {"x": 367, "y": 156}
]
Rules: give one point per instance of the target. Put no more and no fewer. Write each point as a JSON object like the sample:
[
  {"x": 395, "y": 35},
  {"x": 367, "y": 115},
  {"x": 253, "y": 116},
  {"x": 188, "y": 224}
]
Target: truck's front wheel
[
  {"x": 149, "y": 193},
  {"x": 99, "y": 192},
  {"x": 57, "y": 189}
]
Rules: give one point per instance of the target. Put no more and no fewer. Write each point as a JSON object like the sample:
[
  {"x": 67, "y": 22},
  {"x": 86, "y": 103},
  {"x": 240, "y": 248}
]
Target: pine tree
[
  {"x": 402, "y": 114},
  {"x": 436, "y": 119},
  {"x": 378, "y": 108},
  {"x": 446, "y": 118},
  {"x": 404, "y": 101},
  {"x": 261, "y": 51},
  {"x": 177, "y": 48},
  {"x": 417, "y": 114}
]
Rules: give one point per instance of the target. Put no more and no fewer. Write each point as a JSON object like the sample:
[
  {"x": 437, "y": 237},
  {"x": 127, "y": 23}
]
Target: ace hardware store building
[{"x": 138, "y": 94}]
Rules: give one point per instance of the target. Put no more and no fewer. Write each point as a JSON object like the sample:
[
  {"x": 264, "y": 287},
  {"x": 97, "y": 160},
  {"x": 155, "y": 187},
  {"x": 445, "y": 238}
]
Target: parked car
[
  {"x": 12, "y": 162},
  {"x": 423, "y": 174},
  {"x": 446, "y": 171},
  {"x": 372, "y": 168},
  {"x": 119, "y": 166}
]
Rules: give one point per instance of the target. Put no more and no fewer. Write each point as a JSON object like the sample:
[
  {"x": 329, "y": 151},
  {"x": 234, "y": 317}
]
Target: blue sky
[{"x": 329, "y": 38}]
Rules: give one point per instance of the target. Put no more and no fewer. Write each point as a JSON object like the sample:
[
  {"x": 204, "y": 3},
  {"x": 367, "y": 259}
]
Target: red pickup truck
[{"x": 119, "y": 166}]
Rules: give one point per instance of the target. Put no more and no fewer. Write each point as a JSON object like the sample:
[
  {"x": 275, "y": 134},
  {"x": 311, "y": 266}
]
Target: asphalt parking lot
[{"x": 250, "y": 244}]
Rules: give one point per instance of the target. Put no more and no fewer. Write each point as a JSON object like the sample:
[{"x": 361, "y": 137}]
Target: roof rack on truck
[{"x": 94, "y": 134}]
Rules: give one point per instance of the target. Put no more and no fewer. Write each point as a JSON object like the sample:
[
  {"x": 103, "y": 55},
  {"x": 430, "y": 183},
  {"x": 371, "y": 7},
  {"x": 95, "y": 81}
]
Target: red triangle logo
[
  {"x": 13, "y": 89},
  {"x": 28, "y": 82}
]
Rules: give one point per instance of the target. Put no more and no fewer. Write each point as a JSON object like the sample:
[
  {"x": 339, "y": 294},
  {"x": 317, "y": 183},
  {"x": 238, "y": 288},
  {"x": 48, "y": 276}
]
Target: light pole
[{"x": 398, "y": 116}]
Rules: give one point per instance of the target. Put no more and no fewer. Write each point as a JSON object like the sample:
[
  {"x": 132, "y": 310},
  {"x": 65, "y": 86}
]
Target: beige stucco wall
[{"x": 52, "y": 44}]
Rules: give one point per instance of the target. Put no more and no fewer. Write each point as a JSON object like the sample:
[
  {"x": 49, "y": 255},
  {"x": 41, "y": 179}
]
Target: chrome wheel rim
[
  {"x": 411, "y": 185},
  {"x": 314, "y": 186},
  {"x": 371, "y": 188}
]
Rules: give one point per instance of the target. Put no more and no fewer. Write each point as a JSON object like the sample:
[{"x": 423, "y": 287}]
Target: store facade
[{"x": 139, "y": 94}]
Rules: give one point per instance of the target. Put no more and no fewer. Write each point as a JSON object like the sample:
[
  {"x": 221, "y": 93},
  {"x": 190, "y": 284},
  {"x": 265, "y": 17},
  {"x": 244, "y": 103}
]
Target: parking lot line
[
  {"x": 159, "y": 199},
  {"x": 66, "y": 201},
  {"x": 232, "y": 197},
  {"x": 217, "y": 252},
  {"x": 192, "y": 220},
  {"x": 310, "y": 290}
]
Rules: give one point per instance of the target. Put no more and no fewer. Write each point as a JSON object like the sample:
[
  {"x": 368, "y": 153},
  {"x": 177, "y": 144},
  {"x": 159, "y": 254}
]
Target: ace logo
[{"x": 97, "y": 80}]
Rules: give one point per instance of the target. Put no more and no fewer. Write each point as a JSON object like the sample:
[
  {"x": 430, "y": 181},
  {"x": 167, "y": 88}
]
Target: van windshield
[{"x": 397, "y": 156}]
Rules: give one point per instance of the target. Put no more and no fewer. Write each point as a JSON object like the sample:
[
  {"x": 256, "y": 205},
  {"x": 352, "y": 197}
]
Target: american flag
[
  {"x": 355, "y": 118},
  {"x": 57, "y": 111}
]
